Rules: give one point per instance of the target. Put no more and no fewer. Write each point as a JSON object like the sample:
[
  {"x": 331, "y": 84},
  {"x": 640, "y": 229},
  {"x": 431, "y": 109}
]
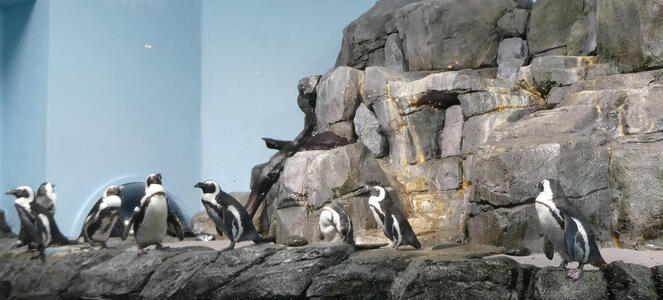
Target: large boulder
[
  {"x": 630, "y": 281},
  {"x": 636, "y": 169},
  {"x": 629, "y": 33},
  {"x": 552, "y": 71},
  {"x": 443, "y": 35},
  {"x": 513, "y": 23},
  {"x": 511, "y": 55},
  {"x": 312, "y": 179},
  {"x": 337, "y": 100},
  {"x": 365, "y": 37},
  {"x": 562, "y": 27},
  {"x": 550, "y": 283},
  {"x": 368, "y": 131}
]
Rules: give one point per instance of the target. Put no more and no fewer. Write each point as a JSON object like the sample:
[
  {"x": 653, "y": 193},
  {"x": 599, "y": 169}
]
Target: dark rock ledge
[{"x": 316, "y": 271}]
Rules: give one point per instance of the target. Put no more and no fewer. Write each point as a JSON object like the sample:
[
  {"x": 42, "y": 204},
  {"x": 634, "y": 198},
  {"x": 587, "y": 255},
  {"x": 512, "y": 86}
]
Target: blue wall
[
  {"x": 99, "y": 92},
  {"x": 124, "y": 102},
  {"x": 25, "y": 64},
  {"x": 2, "y": 95},
  {"x": 254, "y": 53}
]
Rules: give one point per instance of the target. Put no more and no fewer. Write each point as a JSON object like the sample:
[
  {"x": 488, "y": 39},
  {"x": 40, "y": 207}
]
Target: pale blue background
[{"x": 84, "y": 102}]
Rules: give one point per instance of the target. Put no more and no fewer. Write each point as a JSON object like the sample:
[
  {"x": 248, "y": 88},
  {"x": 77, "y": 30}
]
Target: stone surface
[
  {"x": 201, "y": 222},
  {"x": 443, "y": 35},
  {"x": 394, "y": 58},
  {"x": 285, "y": 274},
  {"x": 513, "y": 23},
  {"x": 426, "y": 279},
  {"x": 367, "y": 274},
  {"x": 553, "y": 284},
  {"x": 476, "y": 130},
  {"x": 636, "y": 169},
  {"x": 329, "y": 270},
  {"x": 551, "y": 23},
  {"x": 508, "y": 227},
  {"x": 551, "y": 71},
  {"x": 368, "y": 131},
  {"x": 511, "y": 55},
  {"x": 629, "y": 281},
  {"x": 368, "y": 33},
  {"x": 338, "y": 98},
  {"x": 629, "y": 33},
  {"x": 452, "y": 133}
]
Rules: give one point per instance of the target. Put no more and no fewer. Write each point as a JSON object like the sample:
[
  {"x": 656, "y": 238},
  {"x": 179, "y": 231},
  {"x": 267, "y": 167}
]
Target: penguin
[
  {"x": 210, "y": 190},
  {"x": 565, "y": 229},
  {"x": 103, "y": 217},
  {"x": 152, "y": 218},
  {"x": 46, "y": 196},
  {"x": 391, "y": 219},
  {"x": 335, "y": 224},
  {"x": 236, "y": 222},
  {"x": 34, "y": 230}
]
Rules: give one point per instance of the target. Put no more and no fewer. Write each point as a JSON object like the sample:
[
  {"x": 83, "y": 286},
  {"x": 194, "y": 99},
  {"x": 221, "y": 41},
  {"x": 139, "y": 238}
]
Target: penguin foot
[
  {"x": 574, "y": 274},
  {"x": 39, "y": 254},
  {"x": 18, "y": 244},
  {"x": 141, "y": 251},
  {"x": 562, "y": 266},
  {"x": 162, "y": 247}
]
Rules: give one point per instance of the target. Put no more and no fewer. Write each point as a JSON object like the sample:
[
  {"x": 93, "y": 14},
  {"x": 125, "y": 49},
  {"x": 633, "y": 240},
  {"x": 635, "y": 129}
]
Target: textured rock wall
[{"x": 462, "y": 107}]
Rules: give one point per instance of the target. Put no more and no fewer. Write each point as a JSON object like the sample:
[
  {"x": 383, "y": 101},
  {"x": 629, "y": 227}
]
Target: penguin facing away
[
  {"x": 335, "y": 224},
  {"x": 236, "y": 223},
  {"x": 103, "y": 217},
  {"x": 391, "y": 219},
  {"x": 566, "y": 230},
  {"x": 34, "y": 230},
  {"x": 152, "y": 217},
  {"x": 46, "y": 196}
]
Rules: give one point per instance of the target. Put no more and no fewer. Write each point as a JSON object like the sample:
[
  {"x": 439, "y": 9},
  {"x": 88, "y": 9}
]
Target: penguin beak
[
  {"x": 198, "y": 185},
  {"x": 366, "y": 190},
  {"x": 11, "y": 192}
]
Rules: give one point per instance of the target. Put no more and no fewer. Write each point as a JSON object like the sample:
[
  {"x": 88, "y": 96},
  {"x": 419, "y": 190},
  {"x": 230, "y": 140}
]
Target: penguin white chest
[
  {"x": 378, "y": 214},
  {"x": 154, "y": 225},
  {"x": 328, "y": 225}
]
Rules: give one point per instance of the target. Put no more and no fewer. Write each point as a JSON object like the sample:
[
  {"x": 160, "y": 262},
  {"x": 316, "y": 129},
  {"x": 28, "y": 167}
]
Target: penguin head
[
  {"x": 550, "y": 186},
  {"x": 208, "y": 187},
  {"x": 377, "y": 192},
  {"x": 22, "y": 192},
  {"x": 113, "y": 190},
  {"x": 154, "y": 178}
]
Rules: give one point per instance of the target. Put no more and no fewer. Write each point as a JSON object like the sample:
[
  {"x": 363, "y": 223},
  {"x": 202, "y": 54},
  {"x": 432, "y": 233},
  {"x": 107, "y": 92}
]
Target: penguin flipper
[
  {"x": 136, "y": 218},
  {"x": 174, "y": 225},
  {"x": 548, "y": 248}
]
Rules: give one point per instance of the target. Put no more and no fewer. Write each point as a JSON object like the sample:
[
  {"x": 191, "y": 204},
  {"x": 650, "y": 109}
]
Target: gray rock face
[
  {"x": 513, "y": 23},
  {"x": 311, "y": 179},
  {"x": 635, "y": 168},
  {"x": 443, "y": 35},
  {"x": 552, "y": 284},
  {"x": 509, "y": 227},
  {"x": 367, "y": 34},
  {"x": 511, "y": 55},
  {"x": 426, "y": 279},
  {"x": 285, "y": 274},
  {"x": 124, "y": 274},
  {"x": 629, "y": 281},
  {"x": 452, "y": 133},
  {"x": 629, "y": 33},
  {"x": 553, "y": 25},
  {"x": 551, "y": 71},
  {"x": 476, "y": 130},
  {"x": 368, "y": 131},
  {"x": 329, "y": 270},
  {"x": 338, "y": 97},
  {"x": 362, "y": 274},
  {"x": 394, "y": 58}
]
